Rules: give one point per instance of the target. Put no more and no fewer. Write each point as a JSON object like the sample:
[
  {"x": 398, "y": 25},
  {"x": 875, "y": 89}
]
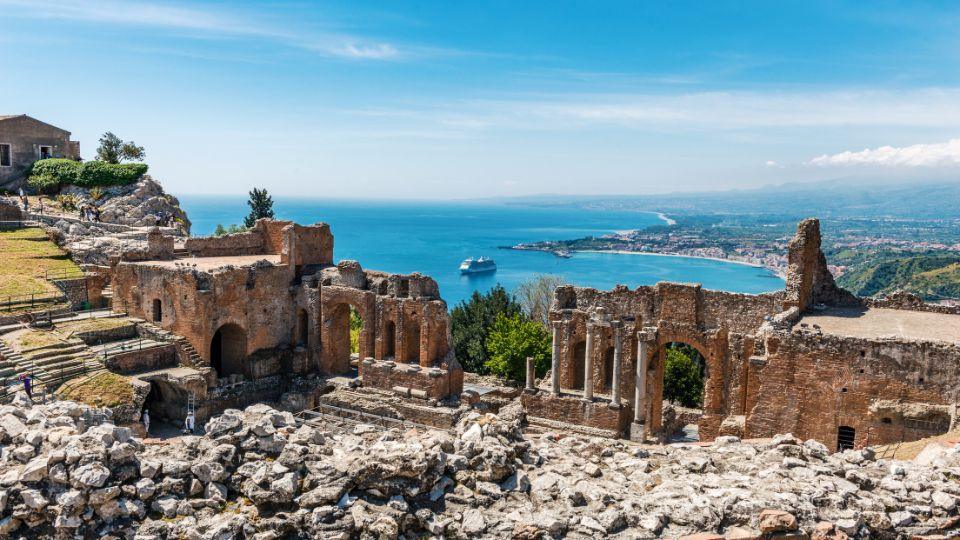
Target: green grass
[
  {"x": 94, "y": 325},
  {"x": 27, "y": 254},
  {"x": 101, "y": 390},
  {"x": 38, "y": 338}
]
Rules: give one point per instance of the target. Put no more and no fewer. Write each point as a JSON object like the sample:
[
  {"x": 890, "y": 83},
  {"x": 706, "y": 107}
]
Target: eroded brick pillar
[
  {"x": 617, "y": 362},
  {"x": 588, "y": 363},
  {"x": 644, "y": 339},
  {"x": 555, "y": 361}
]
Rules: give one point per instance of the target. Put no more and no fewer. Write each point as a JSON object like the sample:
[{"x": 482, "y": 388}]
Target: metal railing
[
  {"x": 64, "y": 273},
  {"x": 11, "y": 303}
]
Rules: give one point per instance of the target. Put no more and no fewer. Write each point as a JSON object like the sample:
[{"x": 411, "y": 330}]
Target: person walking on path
[{"x": 145, "y": 418}]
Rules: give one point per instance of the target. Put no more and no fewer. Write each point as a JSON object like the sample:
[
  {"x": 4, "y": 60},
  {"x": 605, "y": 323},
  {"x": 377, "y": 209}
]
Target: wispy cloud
[
  {"x": 917, "y": 155},
  {"x": 695, "y": 111},
  {"x": 208, "y": 23}
]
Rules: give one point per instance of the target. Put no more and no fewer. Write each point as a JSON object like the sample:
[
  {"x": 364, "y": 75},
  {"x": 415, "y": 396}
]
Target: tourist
[
  {"x": 96, "y": 214},
  {"x": 83, "y": 212},
  {"x": 189, "y": 423},
  {"x": 26, "y": 385},
  {"x": 40, "y": 202},
  {"x": 145, "y": 418}
]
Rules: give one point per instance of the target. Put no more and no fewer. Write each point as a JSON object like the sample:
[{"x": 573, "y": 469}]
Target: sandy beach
[{"x": 624, "y": 252}]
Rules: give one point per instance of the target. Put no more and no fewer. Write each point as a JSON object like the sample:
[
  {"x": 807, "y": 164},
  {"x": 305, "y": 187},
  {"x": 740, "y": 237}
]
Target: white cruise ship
[{"x": 477, "y": 266}]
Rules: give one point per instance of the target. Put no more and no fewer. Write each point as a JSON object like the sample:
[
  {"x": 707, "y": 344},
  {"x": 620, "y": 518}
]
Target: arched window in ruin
[
  {"x": 356, "y": 326},
  {"x": 302, "y": 327},
  {"x": 228, "y": 350},
  {"x": 157, "y": 310},
  {"x": 608, "y": 370},
  {"x": 389, "y": 340},
  {"x": 579, "y": 357},
  {"x": 411, "y": 341},
  {"x": 846, "y": 436}
]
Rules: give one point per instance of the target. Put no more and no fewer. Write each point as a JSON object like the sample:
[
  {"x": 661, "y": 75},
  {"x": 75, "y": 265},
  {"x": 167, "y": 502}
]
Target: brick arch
[
  {"x": 709, "y": 346},
  {"x": 335, "y": 328}
]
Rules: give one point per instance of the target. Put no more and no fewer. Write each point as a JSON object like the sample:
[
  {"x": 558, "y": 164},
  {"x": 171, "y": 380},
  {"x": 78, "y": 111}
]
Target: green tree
[
  {"x": 536, "y": 295},
  {"x": 113, "y": 149},
  {"x": 261, "y": 206},
  {"x": 229, "y": 229},
  {"x": 511, "y": 341},
  {"x": 682, "y": 376},
  {"x": 356, "y": 323},
  {"x": 470, "y": 323}
]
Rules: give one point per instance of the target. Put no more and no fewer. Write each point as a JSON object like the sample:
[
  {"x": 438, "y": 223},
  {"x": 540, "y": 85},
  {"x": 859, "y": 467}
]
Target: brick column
[
  {"x": 615, "y": 377},
  {"x": 555, "y": 361},
  {"x": 588, "y": 363},
  {"x": 639, "y": 394}
]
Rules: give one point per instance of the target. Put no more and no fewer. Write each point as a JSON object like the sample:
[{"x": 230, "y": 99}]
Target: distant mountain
[{"x": 851, "y": 197}]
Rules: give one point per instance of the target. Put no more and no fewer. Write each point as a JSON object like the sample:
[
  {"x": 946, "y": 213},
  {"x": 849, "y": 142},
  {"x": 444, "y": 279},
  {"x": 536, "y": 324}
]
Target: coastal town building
[
  {"x": 24, "y": 140},
  {"x": 812, "y": 360}
]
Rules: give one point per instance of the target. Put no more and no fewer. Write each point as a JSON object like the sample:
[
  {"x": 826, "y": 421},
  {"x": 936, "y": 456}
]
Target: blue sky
[{"x": 470, "y": 99}]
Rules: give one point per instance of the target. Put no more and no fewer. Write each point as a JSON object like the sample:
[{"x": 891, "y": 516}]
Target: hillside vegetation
[{"x": 932, "y": 276}]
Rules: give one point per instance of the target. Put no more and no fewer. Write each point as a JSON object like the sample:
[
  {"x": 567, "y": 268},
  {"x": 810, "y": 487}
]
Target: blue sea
[{"x": 434, "y": 237}]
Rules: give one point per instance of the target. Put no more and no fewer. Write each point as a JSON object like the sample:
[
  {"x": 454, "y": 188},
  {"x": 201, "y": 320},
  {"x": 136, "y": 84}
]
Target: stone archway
[
  {"x": 411, "y": 346},
  {"x": 228, "y": 350},
  {"x": 577, "y": 363}
]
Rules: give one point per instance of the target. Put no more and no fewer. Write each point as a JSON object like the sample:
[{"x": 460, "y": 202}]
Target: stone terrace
[{"x": 882, "y": 323}]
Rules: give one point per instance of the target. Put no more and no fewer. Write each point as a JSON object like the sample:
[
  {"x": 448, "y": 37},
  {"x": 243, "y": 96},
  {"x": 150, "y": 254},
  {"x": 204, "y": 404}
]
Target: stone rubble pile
[{"x": 258, "y": 474}]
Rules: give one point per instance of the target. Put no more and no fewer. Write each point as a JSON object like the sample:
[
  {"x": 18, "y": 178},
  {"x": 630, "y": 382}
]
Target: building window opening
[
  {"x": 46, "y": 152},
  {"x": 6, "y": 156},
  {"x": 846, "y": 436},
  {"x": 302, "y": 326},
  {"x": 579, "y": 360},
  {"x": 157, "y": 311},
  {"x": 608, "y": 370},
  {"x": 356, "y": 323},
  {"x": 390, "y": 340},
  {"x": 887, "y": 421}
]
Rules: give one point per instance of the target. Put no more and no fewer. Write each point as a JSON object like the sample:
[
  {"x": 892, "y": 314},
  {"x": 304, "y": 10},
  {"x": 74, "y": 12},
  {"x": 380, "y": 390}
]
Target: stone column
[
  {"x": 615, "y": 377},
  {"x": 639, "y": 394},
  {"x": 531, "y": 374},
  {"x": 555, "y": 361},
  {"x": 588, "y": 364}
]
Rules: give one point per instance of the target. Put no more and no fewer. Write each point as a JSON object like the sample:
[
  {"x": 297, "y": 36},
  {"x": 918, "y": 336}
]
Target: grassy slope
[
  {"x": 27, "y": 254},
  {"x": 101, "y": 390}
]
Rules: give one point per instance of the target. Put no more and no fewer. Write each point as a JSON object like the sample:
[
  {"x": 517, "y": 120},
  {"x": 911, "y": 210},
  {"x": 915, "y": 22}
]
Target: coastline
[
  {"x": 670, "y": 221},
  {"x": 774, "y": 271}
]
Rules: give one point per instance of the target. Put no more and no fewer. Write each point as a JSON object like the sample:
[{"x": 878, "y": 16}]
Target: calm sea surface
[{"x": 433, "y": 238}]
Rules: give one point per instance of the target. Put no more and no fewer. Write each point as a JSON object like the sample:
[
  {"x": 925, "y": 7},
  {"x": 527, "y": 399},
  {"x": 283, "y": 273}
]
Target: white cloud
[
  {"x": 918, "y": 155},
  {"x": 771, "y": 163},
  {"x": 694, "y": 111},
  {"x": 150, "y": 14}
]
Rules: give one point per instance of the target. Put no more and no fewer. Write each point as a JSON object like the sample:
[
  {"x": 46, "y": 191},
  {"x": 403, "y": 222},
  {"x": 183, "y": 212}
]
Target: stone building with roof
[{"x": 23, "y": 141}]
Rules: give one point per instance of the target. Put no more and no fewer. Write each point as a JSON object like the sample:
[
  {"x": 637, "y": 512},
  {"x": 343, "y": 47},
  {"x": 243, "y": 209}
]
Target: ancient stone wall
[
  {"x": 811, "y": 384},
  {"x": 573, "y": 410},
  {"x": 9, "y": 211},
  {"x": 411, "y": 380},
  {"x": 809, "y": 281},
  {"x": 137, "y": 361}
]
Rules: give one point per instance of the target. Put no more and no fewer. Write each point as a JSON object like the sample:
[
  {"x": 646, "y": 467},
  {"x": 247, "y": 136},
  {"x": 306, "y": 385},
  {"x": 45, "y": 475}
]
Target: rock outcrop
[
  {"x": 136, "y": 204},
  {"x": 257, "y": 473}
]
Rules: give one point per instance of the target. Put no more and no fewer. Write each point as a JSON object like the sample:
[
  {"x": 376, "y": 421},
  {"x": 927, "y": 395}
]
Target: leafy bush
[
  {"x": 61, "y": 172},
  {"x": 682, "y": 376},
  {"x": 67, "y": 202},
  {"x": 470, "y": 324},
  {"x": 97, "y": 193},
  {"x": 43, "y": 183},
  {"x": 511, "y": 341}
]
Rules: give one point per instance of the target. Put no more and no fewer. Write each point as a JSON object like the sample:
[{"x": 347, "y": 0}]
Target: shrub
[
  {"x": 67, "y": 202},
  {"x": 61, "y": 172},
  {"x": 43, "y": 183},
  {"x": 221, "y": 230},
  {"x": 682, "y": 376},
  {"x": 97, "y": 193},
  {"x": 511, "y": 341},
  {"x": 470, "y": 323}
]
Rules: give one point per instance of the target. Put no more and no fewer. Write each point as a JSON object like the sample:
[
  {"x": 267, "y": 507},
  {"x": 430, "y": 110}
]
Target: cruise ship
[{"x": 477, "y": 266}]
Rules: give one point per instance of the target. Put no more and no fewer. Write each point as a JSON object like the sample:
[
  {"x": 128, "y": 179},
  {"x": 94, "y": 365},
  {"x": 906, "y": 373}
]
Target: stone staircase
[
  {"x": 9, "y": 359},
  {"x": 189, "y": 356},
  {"x": 56, "y": 363}
]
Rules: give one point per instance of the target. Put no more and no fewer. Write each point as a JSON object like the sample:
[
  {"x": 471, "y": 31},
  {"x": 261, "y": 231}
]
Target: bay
[{"x": 434, "y": 237}]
